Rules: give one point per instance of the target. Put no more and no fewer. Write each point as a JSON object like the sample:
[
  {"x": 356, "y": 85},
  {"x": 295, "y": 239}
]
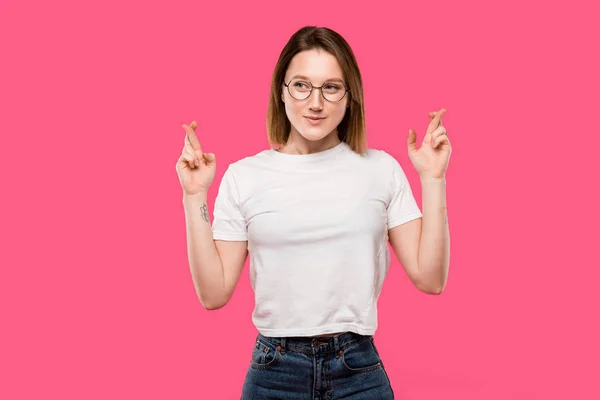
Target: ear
[{"x": 282, "y": 90}]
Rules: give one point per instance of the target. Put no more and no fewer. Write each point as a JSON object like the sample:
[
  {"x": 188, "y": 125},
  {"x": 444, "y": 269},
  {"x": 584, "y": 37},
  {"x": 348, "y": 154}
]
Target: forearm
[
  {"x": 434, "y": 246},
  {"x": 204, "y": 260}
]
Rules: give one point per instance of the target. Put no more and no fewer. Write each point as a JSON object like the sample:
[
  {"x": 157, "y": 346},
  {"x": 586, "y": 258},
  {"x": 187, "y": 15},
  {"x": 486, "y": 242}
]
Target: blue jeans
[{"x": 345, "y": 366}]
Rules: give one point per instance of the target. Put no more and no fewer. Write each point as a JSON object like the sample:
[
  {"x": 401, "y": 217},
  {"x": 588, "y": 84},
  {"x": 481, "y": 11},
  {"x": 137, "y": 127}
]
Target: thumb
[
  {"x": 412, "y": 140},
  {"x": 210, "y": 158}
]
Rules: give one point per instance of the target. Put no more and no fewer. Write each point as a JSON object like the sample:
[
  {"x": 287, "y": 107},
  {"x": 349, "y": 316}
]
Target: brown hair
[{"x": 352, "y": 129}]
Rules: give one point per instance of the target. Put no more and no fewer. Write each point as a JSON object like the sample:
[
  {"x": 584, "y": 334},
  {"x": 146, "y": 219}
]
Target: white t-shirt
[{"x": 317, "y": 231}]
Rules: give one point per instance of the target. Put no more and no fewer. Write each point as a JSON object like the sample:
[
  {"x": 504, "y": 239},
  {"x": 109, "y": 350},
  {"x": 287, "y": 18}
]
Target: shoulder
[
  {"x": 377, "y": 154},
  {"x": 390, "y": 167},
  {"x": 249, "y": 163},
  {"x": 382, "y": 158},
  {"x": 246, "y": 174}
]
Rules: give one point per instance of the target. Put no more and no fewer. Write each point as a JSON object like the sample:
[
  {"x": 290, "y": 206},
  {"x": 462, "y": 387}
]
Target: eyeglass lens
[{"x": 332, "y": 91}]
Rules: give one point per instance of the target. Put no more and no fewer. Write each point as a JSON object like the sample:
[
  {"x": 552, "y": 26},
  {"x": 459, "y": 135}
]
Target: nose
[{"x": 316, "y": 99}]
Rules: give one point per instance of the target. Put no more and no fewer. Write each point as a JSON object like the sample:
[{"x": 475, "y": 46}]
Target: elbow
[
  {"x": 435, "y": 290},
  {"x": 432, "y": 284},
  {"x": 212, "y": 304},
  {"x": 212, "y": 307},
  {"x": 211, "y": 300}
]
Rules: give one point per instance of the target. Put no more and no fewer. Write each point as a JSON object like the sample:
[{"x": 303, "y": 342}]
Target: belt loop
[
  {"x": 336, "y": 343},
  {"x": 283, "y": 348}
]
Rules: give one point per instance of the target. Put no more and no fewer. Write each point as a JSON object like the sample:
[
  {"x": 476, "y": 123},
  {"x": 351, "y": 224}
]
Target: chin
[{"x": 314, "y": 135}]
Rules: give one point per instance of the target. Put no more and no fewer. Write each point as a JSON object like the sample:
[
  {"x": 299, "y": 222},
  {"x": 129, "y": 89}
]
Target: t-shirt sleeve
[
  {"x": 402, "y": 207},
  {"x": 228, "y": 221}
]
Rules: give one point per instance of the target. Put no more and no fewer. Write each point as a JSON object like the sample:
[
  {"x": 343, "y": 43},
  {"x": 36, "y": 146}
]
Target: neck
[{"x": 297, "y": 144}]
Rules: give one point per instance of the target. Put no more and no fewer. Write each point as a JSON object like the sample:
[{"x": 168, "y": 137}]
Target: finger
[
  {"x": 412, "y": 140},
  {"x": 437, "y": 116},
  {"x": 441, "y": 139},
  {"x": 194, "y": 142},
  {"x": 433, "y": 114},
  {"x": 192, "y": 137},
  {"x": 187, "y": 146},
  {"x": 209, "y": 158},
  {"x": 436, "y": 121},
  {"x": 441, "y": 130},
  {"x": 186, "y": 138},
  {"x": 190, "y": 159},
  {"x": 195, "y": 158}
]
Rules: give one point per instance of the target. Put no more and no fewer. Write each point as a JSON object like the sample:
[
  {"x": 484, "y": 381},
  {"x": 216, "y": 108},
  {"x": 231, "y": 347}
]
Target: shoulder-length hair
[{"x": 352, "y": 129}]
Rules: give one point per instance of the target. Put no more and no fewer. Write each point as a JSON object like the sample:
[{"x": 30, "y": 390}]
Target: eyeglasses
[{"x": 301, "y": 90}]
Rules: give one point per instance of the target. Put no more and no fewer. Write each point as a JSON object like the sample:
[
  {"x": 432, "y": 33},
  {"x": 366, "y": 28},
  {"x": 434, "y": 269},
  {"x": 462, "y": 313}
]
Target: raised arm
[
  {"x": 215, "y": 266},
  {"x": 423, "y": 245}
]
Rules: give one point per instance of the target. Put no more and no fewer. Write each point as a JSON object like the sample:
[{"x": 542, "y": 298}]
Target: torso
[{"x": 323, "y": 215}]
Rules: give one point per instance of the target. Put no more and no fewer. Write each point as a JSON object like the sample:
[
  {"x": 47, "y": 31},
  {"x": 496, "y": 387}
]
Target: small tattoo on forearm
[{"x": 204, "y": 210}]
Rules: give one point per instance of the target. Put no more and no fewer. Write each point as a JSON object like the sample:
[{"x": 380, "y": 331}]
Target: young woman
[{"x": 315, "y": 215}]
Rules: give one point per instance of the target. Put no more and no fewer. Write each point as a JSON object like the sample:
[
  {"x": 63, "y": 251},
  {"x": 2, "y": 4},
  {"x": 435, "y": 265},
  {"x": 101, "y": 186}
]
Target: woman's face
[{"x": 319, "y": 68}]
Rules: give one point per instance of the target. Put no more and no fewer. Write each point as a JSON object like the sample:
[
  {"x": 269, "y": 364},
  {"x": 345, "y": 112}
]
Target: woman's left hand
[{"x": 431, "y": 160}]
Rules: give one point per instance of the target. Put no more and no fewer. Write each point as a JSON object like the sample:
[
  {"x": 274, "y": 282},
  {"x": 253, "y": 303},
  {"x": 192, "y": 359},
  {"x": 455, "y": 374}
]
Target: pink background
[{"x": 96, "y": 294}]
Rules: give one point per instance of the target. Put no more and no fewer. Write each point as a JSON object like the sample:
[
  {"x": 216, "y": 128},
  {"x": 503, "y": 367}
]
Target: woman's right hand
[{"x": 196, "y": 169}]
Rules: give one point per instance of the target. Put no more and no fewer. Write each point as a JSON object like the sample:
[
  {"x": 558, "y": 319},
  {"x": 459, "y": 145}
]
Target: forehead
[{"x": 317, "y": 65}]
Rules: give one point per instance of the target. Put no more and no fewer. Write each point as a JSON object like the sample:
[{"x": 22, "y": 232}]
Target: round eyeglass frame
[{"x": 287, "y": 85}]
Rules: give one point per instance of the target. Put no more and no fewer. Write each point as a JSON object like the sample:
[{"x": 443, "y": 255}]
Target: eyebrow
[{"x": 326, "y": 80}]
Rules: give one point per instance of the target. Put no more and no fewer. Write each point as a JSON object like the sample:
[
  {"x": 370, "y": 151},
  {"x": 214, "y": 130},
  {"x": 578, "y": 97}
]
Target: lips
[{"x": 314, "y": 118}]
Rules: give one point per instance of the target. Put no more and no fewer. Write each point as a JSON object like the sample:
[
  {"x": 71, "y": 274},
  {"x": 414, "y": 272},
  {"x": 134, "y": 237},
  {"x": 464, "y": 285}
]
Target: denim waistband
[{"x": 310, "y": 345}]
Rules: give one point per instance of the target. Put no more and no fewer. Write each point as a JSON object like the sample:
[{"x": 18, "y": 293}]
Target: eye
[{"x": 300, "y": 85}]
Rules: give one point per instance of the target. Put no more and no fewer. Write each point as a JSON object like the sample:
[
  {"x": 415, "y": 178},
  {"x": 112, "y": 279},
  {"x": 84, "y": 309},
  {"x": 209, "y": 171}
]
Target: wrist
[
  {"x": 432, "y": 179},
  {"x": 195, "y": 197}
]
